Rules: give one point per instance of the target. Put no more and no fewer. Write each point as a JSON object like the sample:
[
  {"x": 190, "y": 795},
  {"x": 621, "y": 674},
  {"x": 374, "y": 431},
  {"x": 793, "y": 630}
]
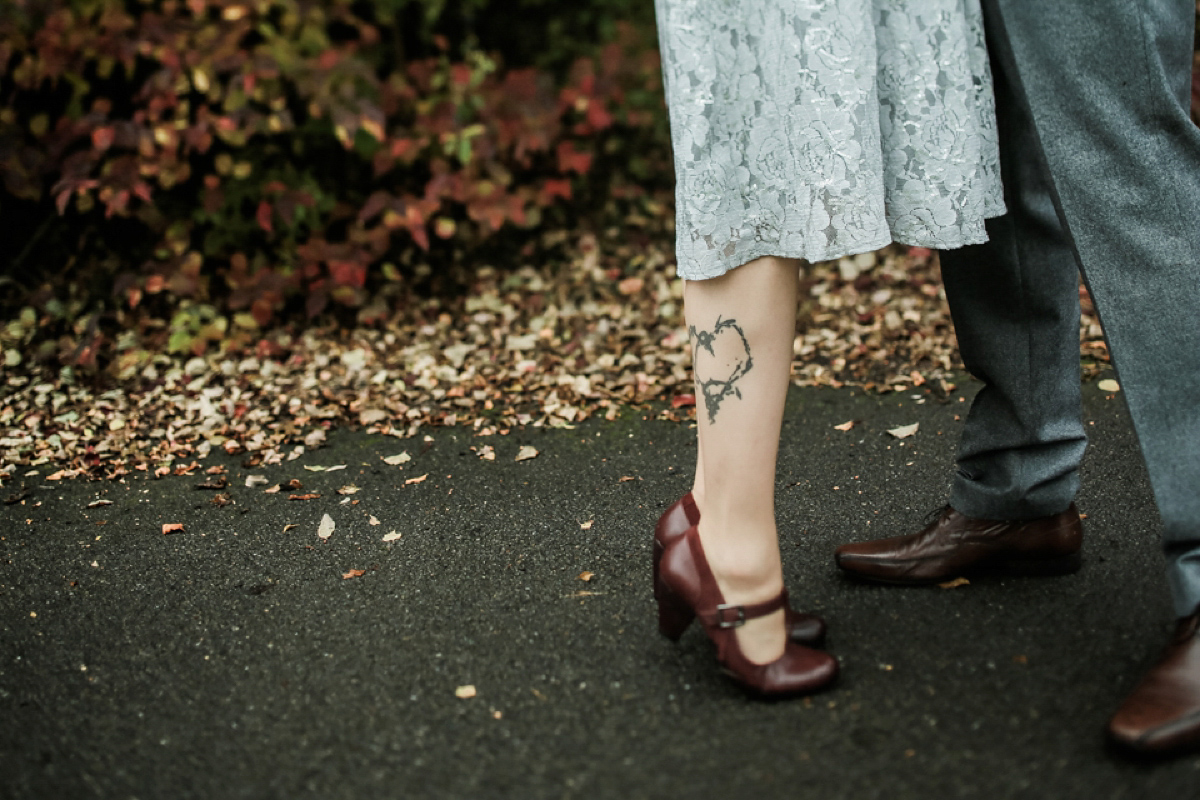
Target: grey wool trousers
[{"x": 1101, "y": 167}]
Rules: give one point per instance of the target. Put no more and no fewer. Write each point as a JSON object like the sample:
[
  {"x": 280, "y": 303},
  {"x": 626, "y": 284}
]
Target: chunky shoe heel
[
  {"x": 674, "y": 614},
  {"x": 806, "y": 629}
]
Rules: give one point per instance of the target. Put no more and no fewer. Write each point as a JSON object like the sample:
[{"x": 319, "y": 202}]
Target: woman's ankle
[{"x": 745, "y": 561}]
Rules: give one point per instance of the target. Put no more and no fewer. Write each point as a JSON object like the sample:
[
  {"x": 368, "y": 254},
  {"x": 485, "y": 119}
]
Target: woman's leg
[{"x": 742, "y": 326}]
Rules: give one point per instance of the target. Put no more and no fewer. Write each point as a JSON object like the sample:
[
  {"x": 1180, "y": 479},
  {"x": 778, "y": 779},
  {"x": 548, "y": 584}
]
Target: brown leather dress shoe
[
  {"x": 806, "y": 629},
  {"x": 956, "y": 545},
  {"x": 1162, "y": 715}
]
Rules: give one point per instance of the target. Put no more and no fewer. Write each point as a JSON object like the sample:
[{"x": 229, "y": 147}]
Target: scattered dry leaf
[
  {"x": 309, "y": 496},
  {"x": 349, "y": 488},
  {"x": 373, "y": 520},
  {"x": 845, "y": 426},
  {"x": 217, "y": 483},
  {"x": 372, "y": 415},
  {"x": 487, "y": 452},
  {"x": 98, "y": 503},
  {"x": 392, "y": 537},
  {"x": 221, "y": 499},
  {"x": 273, "y": 490},
  {"x": 877, "y": 321},
  {"x": 587, "y": 526},
  {"x": 526, "y": 452},
  {"x": 631, "y": 286},
  {"x": 418, "y": 479},
  {"x": 290, "y": 526},
  {"x": 465, "y": 692},
  {"x": 325, "y": 529},
  {"x": 627, "y": 478},
  {"x": 257, "y": 480},
  {"x": 172, "y": 527},
  {"x": 904, "y": 431},
  {"x": 398, "y": 459},
  {"x": 586, "y": 576},
  {"x": 1109, "y": 385},
  {"x": 954, "y": 584},
  {"x": 354, "y": 573}
]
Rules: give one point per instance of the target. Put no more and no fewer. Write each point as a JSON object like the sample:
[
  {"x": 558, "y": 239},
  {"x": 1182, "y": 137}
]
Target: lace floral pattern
[{"x": 819, "y": 128}]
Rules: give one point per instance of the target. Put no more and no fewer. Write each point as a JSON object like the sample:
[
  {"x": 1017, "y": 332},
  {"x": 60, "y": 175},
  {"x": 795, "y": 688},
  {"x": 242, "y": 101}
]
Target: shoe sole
[{"x": 1018, "y": 568}]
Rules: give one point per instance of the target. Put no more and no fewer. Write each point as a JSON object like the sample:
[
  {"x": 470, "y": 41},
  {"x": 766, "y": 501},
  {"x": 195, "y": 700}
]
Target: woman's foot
[
  {"x": 751, "y": 643},
  {"x": 802, "y": 628}
]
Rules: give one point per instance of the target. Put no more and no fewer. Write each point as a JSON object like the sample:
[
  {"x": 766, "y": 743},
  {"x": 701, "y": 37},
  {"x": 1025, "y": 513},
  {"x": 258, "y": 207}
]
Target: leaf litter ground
[{"x": 531, "y": 347}]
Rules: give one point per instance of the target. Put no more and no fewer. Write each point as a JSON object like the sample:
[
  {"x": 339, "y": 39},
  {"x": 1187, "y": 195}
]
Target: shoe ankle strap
[{"x": 728, "y": 615}]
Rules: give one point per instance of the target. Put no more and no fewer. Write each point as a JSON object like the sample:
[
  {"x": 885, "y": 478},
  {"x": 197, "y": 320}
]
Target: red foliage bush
[{"x": 266, "y": 152}]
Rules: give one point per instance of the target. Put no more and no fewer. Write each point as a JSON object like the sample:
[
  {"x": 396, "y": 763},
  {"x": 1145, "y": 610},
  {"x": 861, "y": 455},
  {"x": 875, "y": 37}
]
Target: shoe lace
[{"x": 936, "y": 513}]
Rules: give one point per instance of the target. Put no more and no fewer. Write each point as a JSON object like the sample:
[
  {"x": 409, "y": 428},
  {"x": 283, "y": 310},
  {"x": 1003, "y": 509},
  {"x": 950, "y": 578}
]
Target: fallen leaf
[
  {"x": 256, "y": 480},
  {"x": 683, "y": 401},
  {"x": 399, "y": 458},
  {"x": 273, "y": 490},
  {"x": 354, "y": 573},
  {"x": 315, "y": 438},
  {"x": 349, "y": 488},
  {"x": 289, "y": 526},
  {"x": 335, "y": 468},
  {"x": 630, "y": 286},
  {"x": 465, "y": 692},
  {"x": 222, "y": 499},
  {"x": 904, "y": 431},
  {"x": 954, "y": 584},
  {"x": 586, "y": 576},
  {"x": 313, "y": 468},
  {"x": 371, "y": 416},
  {"x": 172, "y": 527},
  {"x": 295, "y": 483},
  {"x": 627, "y": 478},
  {"x": 583, "y": 593},
  {"x": 1109, "y": 385},
  {"x": 374, "y": 520},
  {"x": 98, "y": 503},
  {"x": 325, "y": 529},
  {"x": 845, "y": 426},
  {"x": 526, "y": 452},
  {"x": 309, "y": 496},
  {"x": 487, "y": 453},
  {"x": 217, "y": 483},
  {"x": 418, "y": 479},
  {"x": 587, "y": 526},
  {"x": 392, "y": 537}
]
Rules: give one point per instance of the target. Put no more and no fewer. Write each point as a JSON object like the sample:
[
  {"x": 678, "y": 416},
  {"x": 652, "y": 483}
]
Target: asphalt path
[{"x": 234, "y": 660}]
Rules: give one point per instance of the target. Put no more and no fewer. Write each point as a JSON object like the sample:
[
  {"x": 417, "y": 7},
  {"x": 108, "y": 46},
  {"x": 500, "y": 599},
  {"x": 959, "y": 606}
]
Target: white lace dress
[{"x": 816, "y": 129}]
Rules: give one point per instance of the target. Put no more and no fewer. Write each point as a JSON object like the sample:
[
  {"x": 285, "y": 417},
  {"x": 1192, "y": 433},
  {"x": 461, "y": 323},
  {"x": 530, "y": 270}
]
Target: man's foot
[
  {"x": 1162, "y": 715},
  {"x": 955, "y": 545}
]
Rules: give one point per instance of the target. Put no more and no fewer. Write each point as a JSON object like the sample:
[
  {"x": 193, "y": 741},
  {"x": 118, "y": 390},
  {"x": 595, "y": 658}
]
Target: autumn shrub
[{"x": 187, "y": 172}]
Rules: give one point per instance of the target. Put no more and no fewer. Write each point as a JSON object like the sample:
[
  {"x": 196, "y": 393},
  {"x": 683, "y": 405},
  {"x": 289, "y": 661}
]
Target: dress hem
[{"x": 832, "y": 254}]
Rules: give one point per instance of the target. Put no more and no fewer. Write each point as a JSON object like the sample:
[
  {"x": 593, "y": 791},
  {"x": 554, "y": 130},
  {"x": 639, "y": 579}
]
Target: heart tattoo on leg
[{"x": 732, "y": 362}]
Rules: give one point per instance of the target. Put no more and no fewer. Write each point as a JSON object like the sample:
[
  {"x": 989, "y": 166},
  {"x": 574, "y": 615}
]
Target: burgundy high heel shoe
[
  {"x": 806, "y": 629},
  {"x": 686, "y": 588}
]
